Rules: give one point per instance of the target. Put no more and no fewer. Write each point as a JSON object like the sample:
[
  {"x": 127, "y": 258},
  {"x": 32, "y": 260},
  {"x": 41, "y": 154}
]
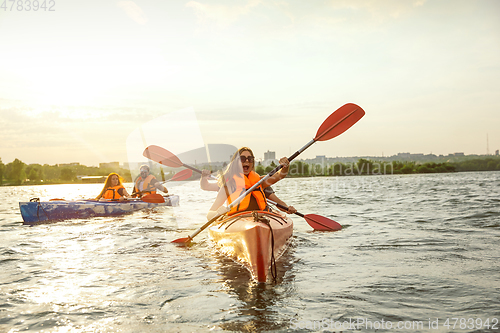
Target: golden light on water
[
  {"x": 69, "y": 191},
  {"x": 65, "y": 278}
]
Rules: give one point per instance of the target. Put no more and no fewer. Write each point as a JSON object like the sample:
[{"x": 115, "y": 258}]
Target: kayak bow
[{"x": 253, "y": 239}]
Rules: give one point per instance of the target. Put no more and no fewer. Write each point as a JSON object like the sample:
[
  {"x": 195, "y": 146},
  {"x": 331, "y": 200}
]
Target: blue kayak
[{"x": 36, "y": 211}]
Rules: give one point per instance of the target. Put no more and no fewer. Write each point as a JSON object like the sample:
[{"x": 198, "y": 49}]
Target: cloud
[
  {"x": 223, "y": 15},
  {"x": 133, "y": 11},
  {"x": 334, "y": 11}
]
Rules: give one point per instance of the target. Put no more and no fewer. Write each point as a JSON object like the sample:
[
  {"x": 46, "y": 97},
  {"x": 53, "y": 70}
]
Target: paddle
[
  {"x": 337, "y": 123},
  {"x": 179, "y": 176},
  {"x": 317, "y": 222},
  {"x": 153, "y": 198},
  {"x": 164, "y": 157}
]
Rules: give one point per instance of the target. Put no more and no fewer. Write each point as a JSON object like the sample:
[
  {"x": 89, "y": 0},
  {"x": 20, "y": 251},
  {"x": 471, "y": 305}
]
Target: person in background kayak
[
  {"x": 146, "y": 183},
  {"x": 268, "y": 191},
  {"x": 113, "y": 189},
  {"x": 239, "y": 176}
]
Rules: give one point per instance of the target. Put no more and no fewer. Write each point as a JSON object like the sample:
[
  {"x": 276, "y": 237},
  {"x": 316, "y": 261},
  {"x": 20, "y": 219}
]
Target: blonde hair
[
  {"x": 107, "y": 184},
  {"x": 234, "y": 167}
]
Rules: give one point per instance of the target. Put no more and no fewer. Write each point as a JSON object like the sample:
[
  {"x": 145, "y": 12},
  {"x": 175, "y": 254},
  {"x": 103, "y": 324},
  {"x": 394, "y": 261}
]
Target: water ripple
[{"x": 412, "y": 247}]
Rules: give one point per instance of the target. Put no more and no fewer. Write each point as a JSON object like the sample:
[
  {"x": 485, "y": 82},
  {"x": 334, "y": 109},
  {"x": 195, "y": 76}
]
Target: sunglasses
[{"x": 246, "y": 158}]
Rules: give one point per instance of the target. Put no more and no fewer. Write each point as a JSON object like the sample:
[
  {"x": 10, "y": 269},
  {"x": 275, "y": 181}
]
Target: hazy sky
[{"x": 76, "y": 82}]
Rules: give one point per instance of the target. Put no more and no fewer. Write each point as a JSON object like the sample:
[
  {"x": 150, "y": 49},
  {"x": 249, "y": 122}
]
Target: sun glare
[{"x": 65, "y": 86}]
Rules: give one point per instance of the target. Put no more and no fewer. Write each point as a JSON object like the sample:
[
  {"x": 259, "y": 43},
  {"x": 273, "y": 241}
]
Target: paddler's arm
[
  {"x": 160, "y": 186},
  {"x": 135, "y": 192},
  {"x": 278, "y": 175},
  {"x": 218, "y": 207},
  {"x": 124, "y": 194},
  {"x": 205, "y": 184}
]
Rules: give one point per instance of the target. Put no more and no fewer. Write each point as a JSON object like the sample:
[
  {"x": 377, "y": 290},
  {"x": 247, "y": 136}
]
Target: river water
[{"x": 418, "y": 251}]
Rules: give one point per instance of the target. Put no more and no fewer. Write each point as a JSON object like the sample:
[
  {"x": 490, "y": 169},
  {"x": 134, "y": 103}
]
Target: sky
[{"x": 78, "y": 82}]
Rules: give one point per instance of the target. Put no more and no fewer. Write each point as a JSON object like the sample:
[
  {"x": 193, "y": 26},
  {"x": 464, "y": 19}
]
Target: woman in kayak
[
  {"x": 240, "y": 176},
  {"x": 113, "y": 189},
  {"x": 268, "y": 191}
]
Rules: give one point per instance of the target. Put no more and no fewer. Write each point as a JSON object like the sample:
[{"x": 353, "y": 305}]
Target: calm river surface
[{"x": 415, "y": 251}]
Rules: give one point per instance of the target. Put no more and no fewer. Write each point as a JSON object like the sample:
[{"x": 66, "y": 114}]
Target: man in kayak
[
  {"x": 113, "y": 189},
  {"x": 146, "y": 183},
  {"x": 239, "y": 176},
  {"x": 268, "y": 191}
]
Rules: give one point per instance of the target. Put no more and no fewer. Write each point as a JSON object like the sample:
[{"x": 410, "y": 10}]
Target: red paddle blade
[
  {"x": 182, "y": 175},
  {"x": 153, "y": 198},
  {"x": 339, "y": 122},
  {"x": 186, "y": 240},
  {"x": 162, "y": 156},
  {"x": 321, "y": 223}
]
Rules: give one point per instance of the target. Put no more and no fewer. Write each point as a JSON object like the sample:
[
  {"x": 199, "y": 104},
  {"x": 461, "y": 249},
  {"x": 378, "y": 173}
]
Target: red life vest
[
  {"x": 112, "y": 192},
  {"x": 243, "y": 183}
]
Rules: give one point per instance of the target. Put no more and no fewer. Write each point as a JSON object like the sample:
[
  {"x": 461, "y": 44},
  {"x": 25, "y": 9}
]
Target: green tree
[
  {"x": 491, "y": 165},
  {"x": 365, "y": 167},
  {"x": 319, "y": 169},
  {"x": 338, "y": 169},
  {"x": 2, "y": 170},
  {"x": 260, "y": 169},
  {"x": 15, "y": 171},
  {"x": 298, "y": 168},
  {"x": 423, "y": 169},
  {"x": 51, "y": 172},
  {"x": 34, "y": 172},
  {"x": 407, "y": 169},
  {"x": 270, "y": 167},
  {"x": 67, "y": 174}
]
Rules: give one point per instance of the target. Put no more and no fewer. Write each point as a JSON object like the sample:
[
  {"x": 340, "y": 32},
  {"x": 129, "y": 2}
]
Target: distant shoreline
[
  {"x": 294, "y": 177},
  {"x": 19, "y": 174}
]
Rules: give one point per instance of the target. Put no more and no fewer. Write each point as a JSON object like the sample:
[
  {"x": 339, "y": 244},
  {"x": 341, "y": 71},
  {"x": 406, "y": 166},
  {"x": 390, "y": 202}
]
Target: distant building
[
  {"x": 68, "y": 164},
  {"x": 319, "y": 159},
  {"x": 92, "y": 179},
  {"x": 459, "y": 154},
  {"x": 269, "y": 155},
  {"x": 111, "y": 165},
  {"x": 496, "y": 152}
]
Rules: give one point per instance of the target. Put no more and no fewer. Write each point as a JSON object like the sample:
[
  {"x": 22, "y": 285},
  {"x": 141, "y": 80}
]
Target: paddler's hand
[
  {"x": 291, "y": 210},
  {"x": 286, "y": 164},
  {"x": 161, "y": 187},
  {"x": 205, "y": 173},
  {"x": 220, "y": 211}
]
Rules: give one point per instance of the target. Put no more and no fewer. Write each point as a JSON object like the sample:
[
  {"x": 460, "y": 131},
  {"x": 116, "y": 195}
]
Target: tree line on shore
[
  {"x": 370, "y": 167},
  {"x": 19, "y": 173}
]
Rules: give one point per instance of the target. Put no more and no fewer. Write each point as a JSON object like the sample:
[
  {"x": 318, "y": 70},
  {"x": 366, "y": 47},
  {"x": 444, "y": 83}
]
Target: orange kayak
[{"x": 254, "y": 239}]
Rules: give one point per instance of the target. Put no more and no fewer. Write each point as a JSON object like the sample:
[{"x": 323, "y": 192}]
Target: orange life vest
[
  {"x": 243, "y": 183},
  {"x": 112, "y": 192},
  {"x": 146, "y": 186}
]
